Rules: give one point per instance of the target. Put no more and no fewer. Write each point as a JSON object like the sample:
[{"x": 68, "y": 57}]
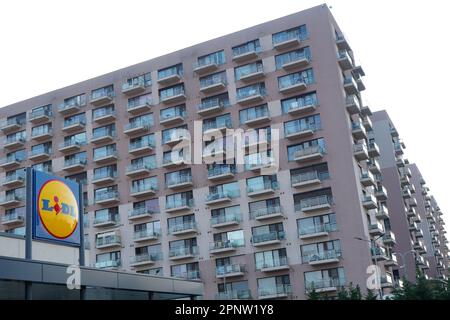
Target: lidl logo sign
[{"x": 56, "y": 209}]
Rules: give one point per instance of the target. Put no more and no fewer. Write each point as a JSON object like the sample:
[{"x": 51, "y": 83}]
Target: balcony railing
[
  {"x": 234, "y": 295},
  {"x": 108, "y": 264},
  {"x": 221, "y": 170},
  {"x": 228, "y": 244},
  {"x": 279, "y": 290},
  {"x": 140, "y": 211},
  {"x": 305, "y": 177},
  {"x": 318, "y": 228},
  {"x": 190, "y": 225},
  {"x": 226, "y": 218},
  {"x": 139, "y": 144},
  {"x": 179, "y": 204},
  {"x": 309, "y": 151},
  {"x": 179, "y": 179},
  {"x": 272, "y": 263},
  {"x": 40, "y": 113},
  {"x": 106, "y": 195},
  {"x": 264, "y": 186},
  {"x": 146, "y": 234},
  {"x": 267, "y": 211},
  {"x": 75, "y": 162},
  {"x": 183, "y": 251},
  {"x": 266, "y": 237},
  {"x": 105, "y": 218},
  {"x": 143, "y": 187},
  {"x": 13, "y": 216},
  {"x": 229, "y": 269},
  {"x": 313, "y": 202},
  {"x": 109, "y": 240},
  {"x": 332, "y": 254},
  {"x": 325, "y": 283}
]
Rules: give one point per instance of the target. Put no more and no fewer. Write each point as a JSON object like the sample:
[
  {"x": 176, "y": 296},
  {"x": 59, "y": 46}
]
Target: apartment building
[
  {"x": 414, "y": 215},
  {"x": 318, "y": 222}
]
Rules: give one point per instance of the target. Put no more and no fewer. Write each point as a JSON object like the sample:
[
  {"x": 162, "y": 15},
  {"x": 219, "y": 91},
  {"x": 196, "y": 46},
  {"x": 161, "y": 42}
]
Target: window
[
  {"x": 312, "y": 145},
  {"x": 299, "y": 33},
  {"x": 80, "y": 178},
  {"x": 271, "y": 259},
  {"x": 179, "y": 200},
  {"x": 212, "y": 58},
  {"x": 174, "y": 156},
  {"x": 103, "y": 111},
  {"x": 18, "y": 119},
  {"x": 248, "y": 69},
  {"x": 262, "y": 183},
  {"x": 221, "y": 100},
  {"x": 18, "y": 155},
  {"x": 106, "y": 193},
  {"x": 143, "y": 141},
  {"x": 17, "y": 136},
  {"x": 78, "y": 138},
  {"x": 146, "y": 184},
  {"x": 109, "y": 259},
  {"x": 312, "y": 123},
  {"x": 325, "y": 278},
  {"x": 183, "y": 247},
  {"x": 268, "y": 233},
  {"x": 264, "y": 207},
  {"x": 292, "y": 56},
  {"x": 104, "y": 151},
  {"x": 215, "y": 78},
  {"x": 43, "y": 111},
  {"x": 150, "y": 205},
  {"x": 142, "y": 80},
  {"x": 305, "y": 200},
  {"x": 173, "y": 112},
  {"x": 253, "y": 113},
  {"x": 143, "y": 162},
  {"x": 143, "y": 229},
  {"x": 185, "y": 271},
  {"x": 321, "y": 251},
  {"x": 108, "y": 130},
  {"x": 231, "y": 238},
  {"x": 107, "y": 214},
  {"x": 142, "y": 120},
  {"x": 41, "y": 130},
  {"x": 170, "y": 71},
  {"x": 181, "y": 223},
  {"x": 105, "y": 172},
  {"x": 139, "y": 101},
  {"x": 314, "y": 172},
  {"x": 78, "y": 101},
  {"x": 247, "y": 47},
  {"x": 43, "y": 166},
  {"x": 225, "y": 215},
  {"x": 76, "y": 158},
  {"x": 308, "y": 99},
  {"x": 230, "y": 190},
  {"x": 223, "y": 121},
  {"x": 173, "y": 134},
  {"x": 233, "y": 290},
  {"x": 178, "y": 177},
  {"x": 274, "y": 285},
  {"x": 107, "y": 91},
  {"x": 42, "y": 148},
  {"x": 154, "y": 252},
  {"x": 75, "y": 119},
  {"x": 305, "y": 76},
  {"x": 256, "y": 160}
]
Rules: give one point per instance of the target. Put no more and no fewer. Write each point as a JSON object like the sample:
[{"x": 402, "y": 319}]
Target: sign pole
[
  {"x": 81, "y": 257},
  {"x": 29, "y": 227}
]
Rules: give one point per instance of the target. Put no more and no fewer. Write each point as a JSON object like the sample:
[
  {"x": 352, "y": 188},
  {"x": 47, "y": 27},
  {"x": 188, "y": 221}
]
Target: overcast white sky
[{"x": 402, "y": 45}]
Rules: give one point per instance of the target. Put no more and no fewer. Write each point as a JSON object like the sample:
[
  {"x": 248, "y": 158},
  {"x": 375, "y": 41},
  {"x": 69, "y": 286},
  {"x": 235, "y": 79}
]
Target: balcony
[
  {"x": 381, "y": 193},
  {"x": 309, "y": 154},
  {"x": 103, "y": 116},
  {"x": 387, "y": 281},
  {"x": 344, "y": 60},
  {"x": 176, "y": 96},
  {"x": 374, "y": 166},
  {"x": 177, "y": 116},
  {"x": 352, "y": 104},
  {"x": 205, "y": 66},
  {"x": 382, "y": 212},
  {"x": 406, "y": 193},
  {"x": 11, "y": 199},
  {"x": 176, "y": 137},
  {"x": 392, "y": 260},
  {"x": 14, "y": 180},
  {"x": 367, "y": 123},
  {"x": 169, "y": 162},
  {"x": 261, "y": 189},
  {"x": 141, "y": 190},
  {"x": 278, "y": 292},
  {"x": 14, "y": 218},
  {"x": 40, "y": 115},
  {"x": 296, "y": 61},
  {"x": 389, "y": 239},
  {"x": 219, "y": 247},
  {"x": 251, "y": 96},
  {"x": 109, "y": 264},
  {"x": 140, "y": 146},
  {"x": 139, "y": 213},
  {"x": 71, "y": 106},
  {"x": 101, "y": 97},
  {"x": 234, "y": 295},
  {"x": 252, "y": 72},
  {"x": 226, "y": 220},
  {"x": 106, "y": 197},
  {"x": 288, "y": 40},
  {"x": 74, "y": 164},
  {"x": 169, "y": 76},
  {"x": 14, "y": 142},
  {"x": 102, "y": 136},
  {"x": 73, "y": 125},
  {"x": 297, "y": 108},
  {"x": 412, "y": 202},
  {"x": 218, "y": 197},
  {"x": 325, "y": 285},
  {"x": 369, "y": 202},
  {"x": 305, "y": 179},
  {"x": 146, "y": 235},
  {"x": 105, "y": 220},
  {"x": 360, "y": 151},
  {"x": 411, "y": 212},
  {"x": 185, "y": 204},
  {"x": 298, "y": 132},
  {"x": 183, "y": 228},
  {"x": 376, "y": 229},
  {"x": 10, "y": 162},
  {"x": 287, "y": 87},
  {"x": 183, "y": 253},
  {"x": 108, "y": 242},
  {"x": 325, "y": 257},
  {"x": 220, "y": 173},
  {"x": 313, "y": 204},
  {"x": 104, "y": 177},
  {"x": 316, "y": 231},
  {"x": 212, "y": 84},
  {"x": 138, "y": 169},
  {"x": 270, "y": 212},
  {"x": 211, "y": 128},
  {"x": 104, "y": 157},
  {"x": 342, "y": 43},
  {"x": 38, "y": 154},
  {"x": 374, "y": 150},
  {"x": 138, "y": 105},
  {"x": 420, "y": 247},
  {"x": 69, "y": 146},
  {"x": 398, "y": 149},
  {"x": 257, "y": 117},
  {"x": 350, "y": 85},
  {"x": 266, "y": 239},
  {"x": 230, "y": 271},
  {"x": 367, "y": 179},
  {"x": 272, "y": 265},
  {"x": 379, "y": 253},
  {"x": 245, "y": 53},
  {"x": 42, "y": 134},
  {"x": 210, "y": 107},
  {"x": 400, "y": 162},
  {"x": 136, "y": 127},
  {"x": 134, "y": 87},
  {"x": 143, "y": 259},
  {"x": 358, "y": 130}
]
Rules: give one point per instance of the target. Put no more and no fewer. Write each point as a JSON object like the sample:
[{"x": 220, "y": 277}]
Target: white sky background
[{"x": 402, "y": 45}]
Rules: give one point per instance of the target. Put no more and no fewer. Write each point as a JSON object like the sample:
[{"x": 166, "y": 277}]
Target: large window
[
  {"x": 251, "y": 46},
  {"x": 299, "y": 33},
  {"x": 270, "y": 259},
  {"x": 305, "y": 76},
  {"x": 321, "y": 251},
  {"x": 307, "y": 145},
  {"x": 212, "y": 58},
  {"x": 312, "y": 123},
  {"x": 170, "y": 71},
  {"x": 291, "y": 56}
]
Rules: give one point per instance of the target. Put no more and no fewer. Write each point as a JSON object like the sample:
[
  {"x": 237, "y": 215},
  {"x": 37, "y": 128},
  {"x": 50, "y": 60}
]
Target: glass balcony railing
[
  {"x": 325, "y": 283},
  {"x": 221, "y": 170},
  {"x": 226, "y": 218},
  {"x": 169, "y": 94},
  {"x": 102, "y": 133},
  {"x": 313, "y": 202},
  {"x": 272, "y": 263},
  {"x": 190, "y": 225},
  {"x": 234, "y": 295},
  {"x": 13, "y": 216},
  {"x": 16, "y": 176},
  {"x": 144, "y": 257},
  {"x": 75, "y": 162},
  {"x": 72, "y": 103},
  {"x": 179, "y": 179},
  {"x": 267, "y": 211},
  {"x": 179, "y": 204},
  {"x": 138, "y": 102},
  {"x": 135, "y": 212},
  {"x": 141, "y": 166},
  {"x": 218, "y": 124},
  {"x": 322, "y": 256},
  {"x": 14, "y": 139},
  {"x": 143, "y": 187},
  {"x": 266, "y": 185},
  {"x": 293, "y": 128},
  {"x": 40, "y": 150},
  {"x": 218, "y": 195},
  {"x": 251, "y": 92},
  {"x": 282, "y": 289},
  {"x": 146, "y": 233},
  {"x": 74, "y": 122},
  {"x": 70, "y": 143},
  {"x": 308, "y": 151},
  {"x": 250, "y": 69},
  {"x": 109, "y": 240},
  {"x": 105, "y": 218},
  {"x": 106, "y": 195},
  {"x": 219, "y": 245},
  {"x": 103, "y": 174},
  {"x": 104, "y": 154},
  {"x": 102, "y": 94},
  {"x": 40, "y": 113},
  {"x": 138, "y": 124},
  {"x": 229, "y": 269},
  {"x": 305, "y": 177},
  {"x": 12, "y": 197},
  {"x": 212, "y": 81},
  {"x": 108, "y": 264},
  {"x": 317, "y": 228},
  {"x": 40, "y": 131},
  {"x": 212, "y": 103},
  {"x": 139, "y": 144},
  {"x": 130, "y": 85},
  {"x": 270, "y": 236},
  {"x": 183, "y": 251}
]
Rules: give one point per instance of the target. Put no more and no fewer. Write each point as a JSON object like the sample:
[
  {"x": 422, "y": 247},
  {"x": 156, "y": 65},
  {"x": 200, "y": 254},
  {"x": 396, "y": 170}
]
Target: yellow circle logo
[{"x": 58, "y": 209}]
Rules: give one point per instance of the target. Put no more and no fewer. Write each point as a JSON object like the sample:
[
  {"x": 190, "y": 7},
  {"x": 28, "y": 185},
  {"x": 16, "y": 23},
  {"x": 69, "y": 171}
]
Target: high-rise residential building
[
  {"x": 318, "y": 221},
  {"x": 414, "y": 214}
]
